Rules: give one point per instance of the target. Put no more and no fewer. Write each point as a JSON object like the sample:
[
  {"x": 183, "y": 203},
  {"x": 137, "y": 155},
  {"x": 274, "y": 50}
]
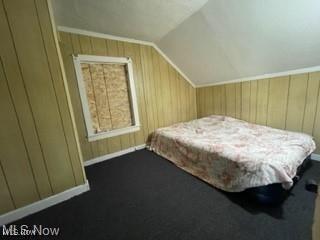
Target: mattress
[{"x": 231, "y": 154}]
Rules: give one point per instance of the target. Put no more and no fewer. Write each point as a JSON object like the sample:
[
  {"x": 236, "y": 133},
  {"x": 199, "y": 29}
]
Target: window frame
[{"x": 91, "y": 134}]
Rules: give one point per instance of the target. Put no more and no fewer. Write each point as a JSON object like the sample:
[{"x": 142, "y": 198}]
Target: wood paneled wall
[
  {"x": 164, "y": 96},
  {"x": 290, "y": 102},
  {"x": 38, "y": 150}
]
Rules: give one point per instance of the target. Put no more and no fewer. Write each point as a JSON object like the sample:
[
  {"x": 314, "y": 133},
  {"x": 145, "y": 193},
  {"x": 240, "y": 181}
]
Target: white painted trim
[
  {"x": 101, "y": 59},
  {"x": 101, "y": 35},
  {"x": 133, "y": 95},
  {"x": 269, "y": 75},
  {"x": 43, "y": 204},
  {"x": 140, "y": 147},
  {"x": 83, "y": 96},
  {"x": 172, "y": 64},
  {"x": 315, "y": 157},
  {"x": 112, "y": 133},
  {"x": 131, "y": 40},
  {"x": 263, "y": 76},
  {"x": 113, "y": 155},
  {"x": 66, "y": 86},
  {"x": 123, "y": 39},
  {"x": 91, "y": 134}
]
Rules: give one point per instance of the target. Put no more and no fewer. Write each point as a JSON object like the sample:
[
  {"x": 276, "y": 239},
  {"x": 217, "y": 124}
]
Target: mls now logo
[
  {"x": 12, "y": 230},
  {"x": 25, "y": 230}
]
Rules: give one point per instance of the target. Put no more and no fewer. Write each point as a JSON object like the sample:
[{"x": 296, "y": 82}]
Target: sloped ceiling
[
  {"x": 210, "y": 41},
  {"x": 234, "y": 39},
  {"x": 147, "y": 20}
]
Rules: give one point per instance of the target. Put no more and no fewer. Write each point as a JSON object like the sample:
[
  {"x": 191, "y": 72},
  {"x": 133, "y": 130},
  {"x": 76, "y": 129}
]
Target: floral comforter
[{"x": 232, "y": 154}]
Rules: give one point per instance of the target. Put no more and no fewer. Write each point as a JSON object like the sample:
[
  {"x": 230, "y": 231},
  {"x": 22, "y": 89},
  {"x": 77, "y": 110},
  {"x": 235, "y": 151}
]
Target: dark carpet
[{"x": 143, "y": 196}]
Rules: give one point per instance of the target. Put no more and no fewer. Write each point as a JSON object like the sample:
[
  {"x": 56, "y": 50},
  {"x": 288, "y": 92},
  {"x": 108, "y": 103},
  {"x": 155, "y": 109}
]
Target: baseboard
[
  {"x": 63, "y": 196},
  {"x": 315, "y": 157},
  {"x": 42, "y": 204},
  {"x": 113, "y": 155},
  {"x": 142, "y": 146}
]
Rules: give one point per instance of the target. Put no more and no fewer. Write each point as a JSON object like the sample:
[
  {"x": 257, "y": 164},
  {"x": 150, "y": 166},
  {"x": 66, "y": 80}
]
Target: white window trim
[{"x": 92, "y": 136}]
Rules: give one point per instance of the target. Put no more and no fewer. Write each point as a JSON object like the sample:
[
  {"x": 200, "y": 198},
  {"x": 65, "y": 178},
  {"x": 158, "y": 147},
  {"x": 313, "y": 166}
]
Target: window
[{"x": 107, "y": 94}]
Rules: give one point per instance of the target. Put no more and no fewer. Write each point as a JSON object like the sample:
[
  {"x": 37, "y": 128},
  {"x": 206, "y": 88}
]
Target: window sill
[{"x": 113, "y": 133}]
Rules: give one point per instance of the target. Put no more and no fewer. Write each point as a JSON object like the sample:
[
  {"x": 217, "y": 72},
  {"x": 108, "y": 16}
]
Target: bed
[{"x": 234, "y": 155}]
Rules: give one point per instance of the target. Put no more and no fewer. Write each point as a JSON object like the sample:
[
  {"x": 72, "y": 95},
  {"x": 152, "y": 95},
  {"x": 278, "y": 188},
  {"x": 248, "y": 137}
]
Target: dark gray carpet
[{"x": 143, "y": 196}]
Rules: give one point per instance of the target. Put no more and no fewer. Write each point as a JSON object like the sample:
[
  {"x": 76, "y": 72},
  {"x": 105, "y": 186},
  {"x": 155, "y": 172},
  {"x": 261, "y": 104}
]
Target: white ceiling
[
  {"x": 210, "y": 42},
  {"x": 233, "y": 39},
  {"x": 147, "y": 20}
]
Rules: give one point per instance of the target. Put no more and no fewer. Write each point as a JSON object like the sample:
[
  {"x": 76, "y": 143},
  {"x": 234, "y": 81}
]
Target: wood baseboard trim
[
  {"x": 43, "y": 204},
  {"x": 113, "y": 155}
]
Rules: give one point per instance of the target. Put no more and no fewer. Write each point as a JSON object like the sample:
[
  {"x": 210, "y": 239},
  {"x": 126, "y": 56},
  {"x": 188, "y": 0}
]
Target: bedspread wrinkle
[{"x": 232, "y": 154}]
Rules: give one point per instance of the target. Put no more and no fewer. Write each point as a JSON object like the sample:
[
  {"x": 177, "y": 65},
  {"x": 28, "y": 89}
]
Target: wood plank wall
[
  {"x": 38, "y": 152},
  {"x": 164, "y": 96},
  {"x": 290, "y": 102}
]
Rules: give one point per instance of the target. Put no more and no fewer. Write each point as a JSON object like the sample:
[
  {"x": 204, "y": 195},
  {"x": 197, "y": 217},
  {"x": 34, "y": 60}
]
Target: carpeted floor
[{"x": 143, "y": 196}]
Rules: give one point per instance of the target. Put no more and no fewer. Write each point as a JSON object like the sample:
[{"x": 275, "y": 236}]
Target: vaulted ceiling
[
  {"x": 210, "y": 41},
  {"x": 148, "y": 20}
]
